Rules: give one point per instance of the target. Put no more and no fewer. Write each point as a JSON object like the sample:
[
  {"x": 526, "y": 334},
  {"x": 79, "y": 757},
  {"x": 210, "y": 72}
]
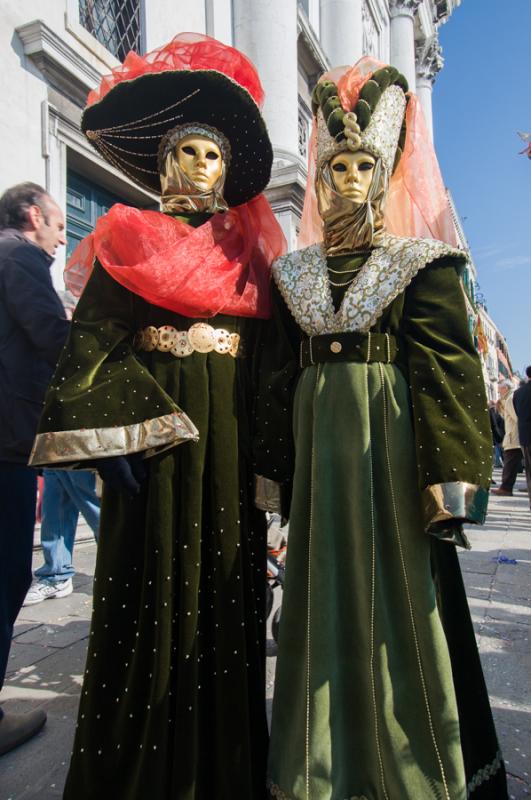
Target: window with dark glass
[{"x": 114, "y": 23}]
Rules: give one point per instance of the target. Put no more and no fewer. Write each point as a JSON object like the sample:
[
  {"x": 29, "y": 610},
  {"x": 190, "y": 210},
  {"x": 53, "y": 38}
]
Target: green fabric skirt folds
[
  {"x": 364, "y": 701},
  {"x": 172, "y": 701}
]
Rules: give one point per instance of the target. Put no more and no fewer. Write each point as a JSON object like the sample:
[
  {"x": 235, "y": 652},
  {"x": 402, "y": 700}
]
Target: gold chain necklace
[
  {"x": 342, "y": 271},
  {"x": 342, "y": 284}
]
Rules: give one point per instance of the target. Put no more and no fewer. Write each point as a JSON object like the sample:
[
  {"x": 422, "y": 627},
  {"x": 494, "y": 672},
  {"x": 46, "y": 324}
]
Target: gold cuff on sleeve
[
  {"x": 151, "y": 436},
  {"x": 455, "y": 501},
  {"x": 267, "y": 495}
]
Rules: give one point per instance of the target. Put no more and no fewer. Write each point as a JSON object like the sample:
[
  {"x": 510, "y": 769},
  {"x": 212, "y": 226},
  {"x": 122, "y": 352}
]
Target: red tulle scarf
[
  {"x": 222, "y": 267},
  {"x": 186, "y": 51}
]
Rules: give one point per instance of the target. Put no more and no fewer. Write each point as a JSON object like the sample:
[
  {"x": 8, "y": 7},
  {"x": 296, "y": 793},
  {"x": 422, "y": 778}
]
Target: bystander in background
[
  {"x": 65, "y": 495},
  {"x": 33, "y": 329},
  {"x": 497, "y": 428},
  {"x": 522, "y": 406},
  {"x": 512, "y": 454}
]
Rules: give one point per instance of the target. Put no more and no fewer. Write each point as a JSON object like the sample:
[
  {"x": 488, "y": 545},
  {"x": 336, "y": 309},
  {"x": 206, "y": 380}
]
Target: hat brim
[{"x": 126, "y": 126}]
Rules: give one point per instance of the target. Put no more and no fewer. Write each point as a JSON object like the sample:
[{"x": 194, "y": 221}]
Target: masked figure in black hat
[{"x": 172, "y": 703}]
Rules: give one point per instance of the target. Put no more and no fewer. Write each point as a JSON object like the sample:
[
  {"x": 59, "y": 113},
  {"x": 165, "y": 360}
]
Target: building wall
[{"x": 50, "y": 63}]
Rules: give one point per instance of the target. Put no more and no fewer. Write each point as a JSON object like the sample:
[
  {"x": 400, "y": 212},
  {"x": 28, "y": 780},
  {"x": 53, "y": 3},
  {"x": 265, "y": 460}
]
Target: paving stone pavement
[{"x": 48, "y": 653}]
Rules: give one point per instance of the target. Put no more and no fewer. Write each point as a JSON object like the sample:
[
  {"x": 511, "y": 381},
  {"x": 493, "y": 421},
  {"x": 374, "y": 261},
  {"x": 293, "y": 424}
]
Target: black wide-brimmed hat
[{"x": 194, "y": 80}]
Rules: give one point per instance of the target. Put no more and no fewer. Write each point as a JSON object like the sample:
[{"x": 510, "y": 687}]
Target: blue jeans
[
  {"x": 498, "y": 455},
  {"x": 66, "y": 493}
]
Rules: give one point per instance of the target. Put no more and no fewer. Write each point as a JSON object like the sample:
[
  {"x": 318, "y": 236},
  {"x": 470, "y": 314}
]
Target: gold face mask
[
  {"x": 350, "y": 200},
  {"x": 352, "y": 174},
  {"x": 200, "y": 159}
]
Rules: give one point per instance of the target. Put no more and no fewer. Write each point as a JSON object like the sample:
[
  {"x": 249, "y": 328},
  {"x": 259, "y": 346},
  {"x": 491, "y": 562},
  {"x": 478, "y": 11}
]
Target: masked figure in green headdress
[{"x": 373, "y": 425}]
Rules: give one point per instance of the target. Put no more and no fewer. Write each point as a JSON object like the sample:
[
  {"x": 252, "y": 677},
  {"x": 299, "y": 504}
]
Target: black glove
[
  {"x": 450, "y": 530},
  {"x": 122, "y": 473}
]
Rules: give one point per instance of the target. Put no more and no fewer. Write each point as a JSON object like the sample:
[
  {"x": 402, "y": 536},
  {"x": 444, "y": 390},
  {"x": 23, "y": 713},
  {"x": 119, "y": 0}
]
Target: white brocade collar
[{"x": 302, "y": 278}]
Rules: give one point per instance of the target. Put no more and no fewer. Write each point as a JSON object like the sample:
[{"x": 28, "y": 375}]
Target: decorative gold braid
[
  {"x": 308, "y": 620},
  {"x": 107, "y": 147},
  {"x": 485, "y": 773},
  {"x": 406, "y": 583},
  {"x": 134, "y": 126},
  {"x": 373, "y": 592},
  {"x": 130, "y": 152},
  {"x": 116, "y": 163},
  {"x": 155, "y": 135},
  {"x": 276, "y": 791}
]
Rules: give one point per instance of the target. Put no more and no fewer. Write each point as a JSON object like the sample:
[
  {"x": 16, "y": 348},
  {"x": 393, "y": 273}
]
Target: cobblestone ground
[{"x": 48, "y": 653}]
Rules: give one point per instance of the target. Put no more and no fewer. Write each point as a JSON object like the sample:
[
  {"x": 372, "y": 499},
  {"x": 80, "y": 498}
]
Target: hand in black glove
[
  {"x": 122, "y": 473},
  {"x": 450, "y": 530}
]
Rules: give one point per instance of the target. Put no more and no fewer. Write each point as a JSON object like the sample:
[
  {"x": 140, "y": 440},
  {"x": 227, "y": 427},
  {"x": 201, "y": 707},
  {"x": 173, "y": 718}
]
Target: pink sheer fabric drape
[{"x": 417, "y": 204}]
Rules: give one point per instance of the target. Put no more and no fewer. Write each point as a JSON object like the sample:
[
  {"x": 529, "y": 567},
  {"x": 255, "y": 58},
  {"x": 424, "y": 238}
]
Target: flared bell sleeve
[
  {"x": 449, "y": 406},
  {"x": 103, "y": 401},
  {"x": 276, "y": 373}
]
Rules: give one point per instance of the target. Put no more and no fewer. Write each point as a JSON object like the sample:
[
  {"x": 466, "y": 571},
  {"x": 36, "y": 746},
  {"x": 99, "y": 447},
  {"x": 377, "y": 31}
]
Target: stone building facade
[{"x": 55, "y": 51}]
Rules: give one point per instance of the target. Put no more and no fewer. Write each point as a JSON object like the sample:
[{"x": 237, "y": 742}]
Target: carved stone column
[
  {"x": 429, "y": 62},
  {"x": 342, "y": 31},
  {"x": 267, "y": 33},
  {"x": 403, "y": 37}
]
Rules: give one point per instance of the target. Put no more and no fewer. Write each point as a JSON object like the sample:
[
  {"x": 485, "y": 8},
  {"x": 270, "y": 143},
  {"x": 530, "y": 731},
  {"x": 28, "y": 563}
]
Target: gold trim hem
[
  {"x": 466, "y": 502},
  {"x": 151, "y": 436}
]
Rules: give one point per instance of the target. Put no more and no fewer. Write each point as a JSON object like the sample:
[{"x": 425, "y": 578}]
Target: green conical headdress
[{"x": 375, "y": 124}]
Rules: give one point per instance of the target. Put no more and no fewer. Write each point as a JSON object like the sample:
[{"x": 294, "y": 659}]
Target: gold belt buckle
[
  {"x": 202, "y": 337},
  {"x": 167, "y": 338},
  {"x": 150, "y": 338},
  {"x": 182, "y": 346},
  {"x": 223, "y": 341}
]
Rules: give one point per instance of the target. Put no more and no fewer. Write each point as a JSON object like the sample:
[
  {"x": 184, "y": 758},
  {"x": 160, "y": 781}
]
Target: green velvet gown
[
  {"x": 378, "y": 695},
  {"x": 172, "y": 704}
]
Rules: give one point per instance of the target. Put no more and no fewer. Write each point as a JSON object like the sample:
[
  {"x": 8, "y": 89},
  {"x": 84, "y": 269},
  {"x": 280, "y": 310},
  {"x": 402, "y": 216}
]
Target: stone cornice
[
  {"x": 307, "y": 37},
  {"x": 403, "y": 8},
  {"x": 287, "y": 186},
  {"x": 429, "y": 59},
  {"x": 63, "y": 67}
]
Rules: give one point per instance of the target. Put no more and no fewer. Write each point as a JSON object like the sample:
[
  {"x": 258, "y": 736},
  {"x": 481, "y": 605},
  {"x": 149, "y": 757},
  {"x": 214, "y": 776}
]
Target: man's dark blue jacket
[
  {"x": 33, "y": 330},
  {"x": 522, "y": 406}
]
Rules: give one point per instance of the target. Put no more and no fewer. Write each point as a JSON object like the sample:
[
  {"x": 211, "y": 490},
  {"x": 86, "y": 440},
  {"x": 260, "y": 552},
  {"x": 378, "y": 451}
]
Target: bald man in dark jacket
[{"x": 33, "y": 330}]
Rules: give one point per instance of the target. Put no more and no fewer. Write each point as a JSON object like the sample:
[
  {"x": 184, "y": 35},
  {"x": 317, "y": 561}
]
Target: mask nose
[{"x": 353, "y": 174}]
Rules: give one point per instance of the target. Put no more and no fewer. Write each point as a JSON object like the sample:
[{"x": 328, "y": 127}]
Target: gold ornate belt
[{"x": 199, "y": 338}]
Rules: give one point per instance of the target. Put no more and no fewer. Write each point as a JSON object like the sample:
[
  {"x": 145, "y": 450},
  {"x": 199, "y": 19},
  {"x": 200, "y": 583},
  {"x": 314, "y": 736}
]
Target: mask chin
[{"x": 179, "y": 194}]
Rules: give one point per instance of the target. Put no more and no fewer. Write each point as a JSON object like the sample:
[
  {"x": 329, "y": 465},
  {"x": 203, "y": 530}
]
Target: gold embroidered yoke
[{"x": 410, "y": 289}]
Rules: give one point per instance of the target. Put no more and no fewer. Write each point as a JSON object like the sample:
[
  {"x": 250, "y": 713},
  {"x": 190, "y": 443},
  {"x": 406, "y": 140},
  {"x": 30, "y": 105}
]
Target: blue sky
[{"x": 481, "y": 98}]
